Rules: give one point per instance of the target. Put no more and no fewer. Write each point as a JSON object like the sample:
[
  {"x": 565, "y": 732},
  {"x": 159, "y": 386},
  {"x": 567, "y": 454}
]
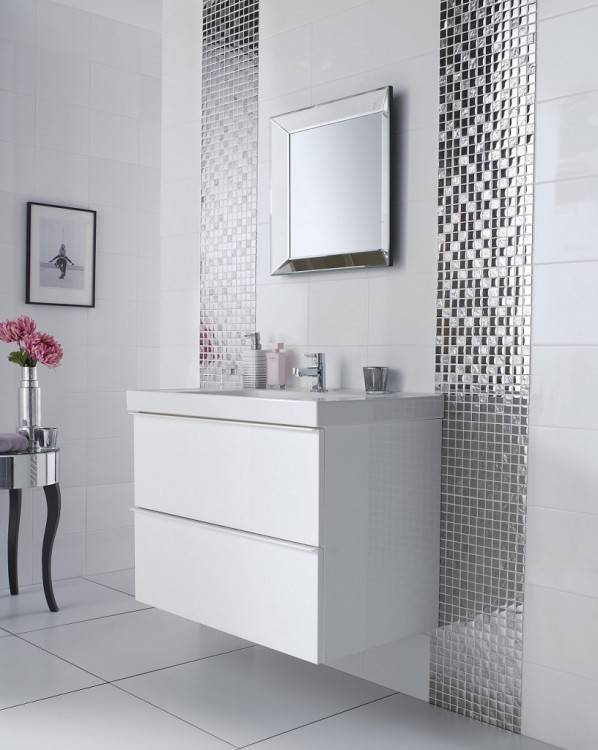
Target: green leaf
[{"x": 22, "y": 359}]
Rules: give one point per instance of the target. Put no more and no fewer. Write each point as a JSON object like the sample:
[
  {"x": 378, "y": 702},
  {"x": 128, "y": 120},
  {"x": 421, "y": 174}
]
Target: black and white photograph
[{"x": 60, "y": 255}]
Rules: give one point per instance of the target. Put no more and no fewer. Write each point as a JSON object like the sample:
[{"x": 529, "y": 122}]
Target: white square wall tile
[
  {"x": 563, "y": 472},
  {"x": 107, "y": 415},
  {"x": 179, "y": 317},
  {"x": 281, "y": 313},
  {"x": 110, "y": 549},
  {"x": 562, "y": 551},
  {"x": 560, "y": 630},
  {"x": 114, "y": 43},
  {"x": 564, "y": 221},
  {"x": 62, "y": 175},
  {"x": 338, "y": 312},
  {"x": 63, "y": 28},
  {"x": 373, "y": 34},
  {"x": 559, "y": 708},
  {"x": 402, "y": 309},
  {"x": 110, "y": 461},
  {"x": 252, "y": 694},
  {"x": 62, "y": 126},
  {"x": 30, "y": 674},
  {"x": 133, "y": 643},
  {"x": 566, "y": 138},
  {"x": 109, "y": 505},
  {"x": 563, "y": 387},
  {"x": 17, "y": 19},
  {"x": 118, "y": 319},
  {"x": 113, "y": 183},
  {"x": 277, "y": 16},
  {"x": 149, "y": 143},
  {"x": 571, "y": 321},
  {"x": 148, "y": 367},
  {"x": 113, "y": 90},
  {"x": 113, "y": 137},
  {"x": 111, "y": 368},
  {"x": 62, "y": 77},
  {"x": 567, "y": 47},
  {"x": 17, "y": 168},
  {"x": 549, "y": 8},
  {"x": 284, "y": 63},
  {"x": 17, "y": 116}
]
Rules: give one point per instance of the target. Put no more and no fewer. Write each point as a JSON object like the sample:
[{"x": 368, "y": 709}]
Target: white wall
[
  {"x": 181, "y": 193},
  {"x": 561, "y": 610},
  {"x": 312, "y": 52},
  {"x": 80, "y": 125}
]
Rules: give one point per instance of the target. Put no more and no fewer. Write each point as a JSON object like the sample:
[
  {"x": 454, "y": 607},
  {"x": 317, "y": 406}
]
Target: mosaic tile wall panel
[
  {"x": 486, "y": 135},
  {"x": 229, "y": 186}
]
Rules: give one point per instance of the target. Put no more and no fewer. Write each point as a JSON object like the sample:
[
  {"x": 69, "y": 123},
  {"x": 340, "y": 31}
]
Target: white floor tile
[
  {"x": 96, "y": 719},
  {"x": 399, "y": 723},
  {"x": 77, "y": 598},
  {"x": 28, "y": 674},
  {"x": 252, "y": 694},
  {"x": 121, "y": 580},
  {"x": 117, "y": 647}
]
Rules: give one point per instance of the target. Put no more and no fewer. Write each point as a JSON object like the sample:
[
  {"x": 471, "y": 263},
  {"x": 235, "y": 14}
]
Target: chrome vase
[{"x": 30, "y": 403}]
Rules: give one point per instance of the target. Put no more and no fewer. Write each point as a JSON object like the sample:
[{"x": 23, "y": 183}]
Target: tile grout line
[
  {"x": 50, "y": 697},
  {"x": 178, "y": 664},
  {"x": 169, "y": 713},
  {"x": 111, "y": 588},
  {"x": 317, "y": 721},
  {"x": 76, "y": 622}
]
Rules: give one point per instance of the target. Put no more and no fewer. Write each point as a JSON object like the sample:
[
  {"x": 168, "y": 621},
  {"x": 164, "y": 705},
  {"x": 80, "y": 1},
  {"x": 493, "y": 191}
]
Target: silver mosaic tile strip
[
  {"x": 485, "y": 193},
  {"x": 229, "y": 186}
]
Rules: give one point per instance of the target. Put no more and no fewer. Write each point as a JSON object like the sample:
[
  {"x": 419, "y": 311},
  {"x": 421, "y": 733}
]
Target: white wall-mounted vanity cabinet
[{"x": 307, "y": 523}]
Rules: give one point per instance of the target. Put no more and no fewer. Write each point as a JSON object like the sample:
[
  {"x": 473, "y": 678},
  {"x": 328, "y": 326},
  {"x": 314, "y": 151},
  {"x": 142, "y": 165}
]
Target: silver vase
[{"x": 30, "y": 403}]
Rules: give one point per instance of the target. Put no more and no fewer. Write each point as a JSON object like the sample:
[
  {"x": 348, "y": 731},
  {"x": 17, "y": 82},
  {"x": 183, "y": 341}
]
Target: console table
[{"x": 23, "y": 471}]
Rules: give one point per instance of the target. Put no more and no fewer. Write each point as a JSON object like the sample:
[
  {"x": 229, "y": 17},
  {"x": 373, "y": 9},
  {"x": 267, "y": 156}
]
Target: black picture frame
[{"x": 43, "y": 275}]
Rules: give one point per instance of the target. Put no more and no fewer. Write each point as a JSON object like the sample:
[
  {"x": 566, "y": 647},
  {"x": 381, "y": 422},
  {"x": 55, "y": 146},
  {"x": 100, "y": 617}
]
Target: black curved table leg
[
  {"x": 14, "y": 520},
  {"x": 52, "y": 492}
]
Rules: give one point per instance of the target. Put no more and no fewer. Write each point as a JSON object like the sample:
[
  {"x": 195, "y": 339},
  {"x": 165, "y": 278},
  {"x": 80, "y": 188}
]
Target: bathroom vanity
[{"x": 305, "y": 522}]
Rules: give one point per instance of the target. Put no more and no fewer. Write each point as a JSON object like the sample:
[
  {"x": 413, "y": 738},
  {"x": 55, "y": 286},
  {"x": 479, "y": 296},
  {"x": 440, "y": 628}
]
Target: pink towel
[{"x": 12, "y": 442}]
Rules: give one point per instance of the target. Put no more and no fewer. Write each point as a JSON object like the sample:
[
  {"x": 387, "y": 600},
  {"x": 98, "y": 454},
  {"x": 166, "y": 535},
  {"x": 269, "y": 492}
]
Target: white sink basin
[{"x": 296, "y": 407}]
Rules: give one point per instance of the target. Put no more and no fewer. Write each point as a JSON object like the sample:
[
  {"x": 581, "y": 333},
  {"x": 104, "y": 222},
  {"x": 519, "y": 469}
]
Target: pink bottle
[{"x": 276, "y": 367}]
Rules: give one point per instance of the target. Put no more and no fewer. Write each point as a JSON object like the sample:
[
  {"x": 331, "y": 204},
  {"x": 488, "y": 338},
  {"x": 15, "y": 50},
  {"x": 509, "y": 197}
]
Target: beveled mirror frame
[{"x": 282, "y": 128}]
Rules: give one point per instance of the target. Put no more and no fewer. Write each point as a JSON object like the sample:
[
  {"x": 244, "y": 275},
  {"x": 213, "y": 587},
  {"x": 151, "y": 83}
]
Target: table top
[{"x": 28, "y": 469}]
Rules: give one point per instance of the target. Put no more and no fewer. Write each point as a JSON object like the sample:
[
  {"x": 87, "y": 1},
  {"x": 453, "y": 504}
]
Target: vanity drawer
[
  {"x": 259, "y": 478},
  {"x": 260, "y": 589}
]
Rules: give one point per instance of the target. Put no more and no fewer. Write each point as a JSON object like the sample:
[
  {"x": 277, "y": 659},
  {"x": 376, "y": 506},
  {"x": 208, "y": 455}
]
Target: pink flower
[
  {"x": 16, "y": 330},
  {"x": 43, "y": 348}
]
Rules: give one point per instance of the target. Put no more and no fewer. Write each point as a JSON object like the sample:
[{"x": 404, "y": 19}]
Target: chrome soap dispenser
[{"x": 253, "y": 363}]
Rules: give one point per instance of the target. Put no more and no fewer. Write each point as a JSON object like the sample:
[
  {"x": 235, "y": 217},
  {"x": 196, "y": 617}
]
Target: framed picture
[{"x": 61, "y": 255}]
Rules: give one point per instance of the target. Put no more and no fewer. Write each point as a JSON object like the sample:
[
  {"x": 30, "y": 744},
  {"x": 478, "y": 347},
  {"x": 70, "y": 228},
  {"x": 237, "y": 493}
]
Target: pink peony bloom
[
  {"x": 43, "y": 348},
  {"x": 16, "y": 330}
]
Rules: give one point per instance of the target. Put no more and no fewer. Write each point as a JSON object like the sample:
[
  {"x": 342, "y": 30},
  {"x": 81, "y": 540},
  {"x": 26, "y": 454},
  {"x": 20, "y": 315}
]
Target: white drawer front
[
  {"x": 258, "y": 478},
  {"x": 256, "y": 588}
]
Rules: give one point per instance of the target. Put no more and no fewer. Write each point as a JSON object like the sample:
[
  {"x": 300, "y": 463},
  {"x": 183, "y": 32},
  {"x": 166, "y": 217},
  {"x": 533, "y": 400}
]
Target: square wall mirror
[{"x": 330, "y": 185}]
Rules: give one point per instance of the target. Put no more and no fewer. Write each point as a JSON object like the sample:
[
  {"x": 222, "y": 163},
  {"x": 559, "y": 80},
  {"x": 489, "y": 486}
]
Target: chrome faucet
[{"x": 317, "y": 371}]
